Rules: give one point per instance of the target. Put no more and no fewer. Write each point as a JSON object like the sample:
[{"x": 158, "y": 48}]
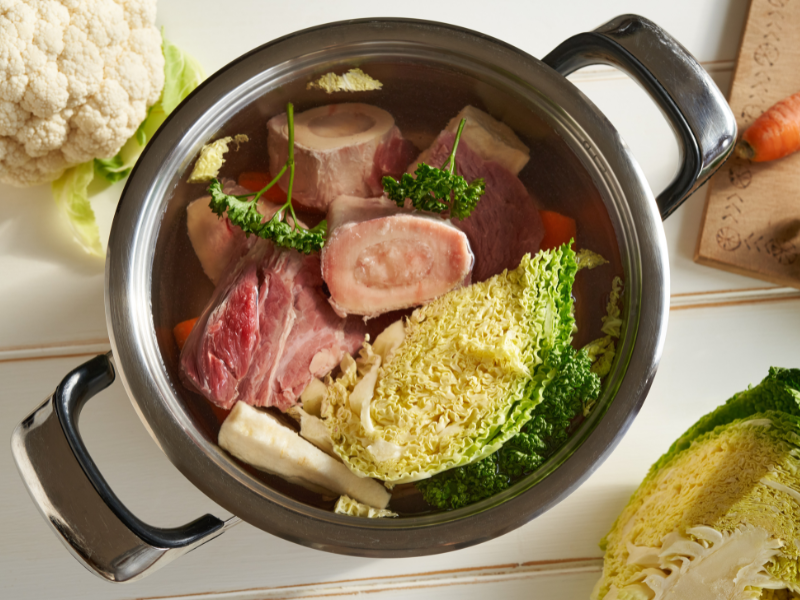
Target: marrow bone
[
  {"x": 489, "y": 138},
  {"x": 380, "y": 258},
  {"x": 339, "y": 149}
]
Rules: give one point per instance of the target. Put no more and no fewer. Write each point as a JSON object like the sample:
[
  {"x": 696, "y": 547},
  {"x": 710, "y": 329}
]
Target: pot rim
[{"x": 133, "y": 338}]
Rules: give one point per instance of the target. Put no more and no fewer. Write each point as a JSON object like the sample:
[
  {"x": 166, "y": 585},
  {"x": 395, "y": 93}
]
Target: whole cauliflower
[{"x": 76, "y": 80}]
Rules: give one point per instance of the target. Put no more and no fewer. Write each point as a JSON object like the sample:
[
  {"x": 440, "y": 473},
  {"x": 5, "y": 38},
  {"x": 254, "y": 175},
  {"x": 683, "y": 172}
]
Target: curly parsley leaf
[
  {"x": 289, "y": 236},
  {"x": 242, "y": 210},
  {"x": 243, "y": 213},
  {"x": 437, "y": 190}
]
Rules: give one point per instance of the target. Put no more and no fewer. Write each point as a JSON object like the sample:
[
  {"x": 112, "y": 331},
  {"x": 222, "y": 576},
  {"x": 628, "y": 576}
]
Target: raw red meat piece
[
  {"x": 506, "y": 223},
  {"x": 316, "y": 340},
  {"x": 267, "y": 325},
  {"x": 215, "y": 240},
  {"x": 391, "y": 158}
]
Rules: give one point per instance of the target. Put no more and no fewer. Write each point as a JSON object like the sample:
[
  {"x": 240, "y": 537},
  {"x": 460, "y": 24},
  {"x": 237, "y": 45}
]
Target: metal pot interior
[{"x": 578, "y": 166}]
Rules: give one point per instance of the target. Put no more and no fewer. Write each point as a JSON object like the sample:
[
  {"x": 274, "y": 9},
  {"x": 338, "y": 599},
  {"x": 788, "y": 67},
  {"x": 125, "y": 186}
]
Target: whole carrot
[{"x": 774, "y": 134}]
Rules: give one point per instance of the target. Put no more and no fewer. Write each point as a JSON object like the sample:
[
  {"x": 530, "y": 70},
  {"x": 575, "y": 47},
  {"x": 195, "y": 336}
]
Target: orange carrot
[
  {"x": 255, "y": 181},
  {"x": 558, "y": 229},
  {"x": 774, "y": 134},
  {"x": 182, "y": 330}
]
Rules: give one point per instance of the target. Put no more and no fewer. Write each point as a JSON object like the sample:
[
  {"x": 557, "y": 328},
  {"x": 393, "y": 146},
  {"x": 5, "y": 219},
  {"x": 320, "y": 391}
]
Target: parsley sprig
[
  {"x": 437, "y": 190},
  {"x": 242, "y": 210}
]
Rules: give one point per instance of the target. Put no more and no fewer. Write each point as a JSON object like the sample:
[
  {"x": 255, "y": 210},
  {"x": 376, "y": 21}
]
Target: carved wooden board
[{"x": 751, "y": 223}]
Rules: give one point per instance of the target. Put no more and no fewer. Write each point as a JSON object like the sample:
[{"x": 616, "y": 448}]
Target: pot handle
[
  {"x": 688, "y": 97},
  {"x": 72, "y": 495}
]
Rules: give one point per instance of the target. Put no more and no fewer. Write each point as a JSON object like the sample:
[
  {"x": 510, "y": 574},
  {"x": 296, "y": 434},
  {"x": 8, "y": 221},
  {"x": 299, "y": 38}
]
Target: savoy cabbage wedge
[
  {"x": 718, "y": 516},
  {"x": 465, "y": 378},
  {"x": 571, "y": 393},
  {"x": 779, "y": 390}
]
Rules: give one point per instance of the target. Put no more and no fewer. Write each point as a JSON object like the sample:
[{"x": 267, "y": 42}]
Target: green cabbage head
[{"x": 718, "y": 516}]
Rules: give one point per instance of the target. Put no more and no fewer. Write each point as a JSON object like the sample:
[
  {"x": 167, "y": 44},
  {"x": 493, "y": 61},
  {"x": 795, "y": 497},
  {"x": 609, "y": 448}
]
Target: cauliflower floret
[{"x": 76, "y": 80}]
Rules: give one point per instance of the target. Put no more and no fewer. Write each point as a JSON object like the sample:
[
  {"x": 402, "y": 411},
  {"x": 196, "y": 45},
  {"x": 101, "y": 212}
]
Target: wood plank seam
[
  {"x": 695, "y": 300},
  {"x": 436, "y": 579}
]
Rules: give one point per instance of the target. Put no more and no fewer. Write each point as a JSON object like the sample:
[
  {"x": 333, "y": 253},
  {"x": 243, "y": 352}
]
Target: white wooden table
[{"x": 724, "y": 333}]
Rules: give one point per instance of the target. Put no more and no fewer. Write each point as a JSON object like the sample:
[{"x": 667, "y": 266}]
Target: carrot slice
[
  {"x": 255, "y": 181},
  {"x": 774, "y": 134},
  {"x": 558, "y": 229},
  {"x": 182, "y": 330}
]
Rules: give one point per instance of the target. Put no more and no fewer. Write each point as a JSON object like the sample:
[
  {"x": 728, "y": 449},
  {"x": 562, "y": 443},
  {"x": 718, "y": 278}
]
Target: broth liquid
[{"x": 554, "y": 177}]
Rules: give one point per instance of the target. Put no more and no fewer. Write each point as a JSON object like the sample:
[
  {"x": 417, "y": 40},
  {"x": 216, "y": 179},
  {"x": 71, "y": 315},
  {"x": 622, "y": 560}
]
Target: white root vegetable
[
  {"x": 313, "y": 429},
  {"x": 259, "y": 439},
  {"x": 214, "y": 240}
]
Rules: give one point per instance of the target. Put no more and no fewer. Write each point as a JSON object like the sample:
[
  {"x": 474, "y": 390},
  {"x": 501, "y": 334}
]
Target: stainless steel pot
[{"x": 447, "y": 66}]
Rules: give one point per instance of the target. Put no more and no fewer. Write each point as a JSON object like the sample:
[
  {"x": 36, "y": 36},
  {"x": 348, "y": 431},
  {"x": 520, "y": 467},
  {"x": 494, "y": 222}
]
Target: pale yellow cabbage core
[{"x": 724, "y": 510}]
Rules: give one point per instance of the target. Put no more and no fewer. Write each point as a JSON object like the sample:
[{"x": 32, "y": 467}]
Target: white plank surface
[
  {"x": 710, "y": 354},
  {"x": 51, "y": 302},
  {"x": 650, "y": 138},
  {"x": 51, "y": 293},
  {"x": 710, "y": 29}
]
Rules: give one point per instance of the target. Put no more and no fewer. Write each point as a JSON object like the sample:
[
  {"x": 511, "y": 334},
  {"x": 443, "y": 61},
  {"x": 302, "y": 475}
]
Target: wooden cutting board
[{"x": 751, "y": 223}]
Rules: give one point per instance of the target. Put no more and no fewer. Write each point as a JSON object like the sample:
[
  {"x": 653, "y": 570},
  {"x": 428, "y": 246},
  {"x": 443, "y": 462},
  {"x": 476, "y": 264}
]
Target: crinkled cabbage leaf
[
  {"x": 345, "y": 505},
  {"x": 471, "y": 367},
  {"x": 717, "y": 519},
  {"x": 603, "y": 350},
  {"x": 779, "y": 390}
]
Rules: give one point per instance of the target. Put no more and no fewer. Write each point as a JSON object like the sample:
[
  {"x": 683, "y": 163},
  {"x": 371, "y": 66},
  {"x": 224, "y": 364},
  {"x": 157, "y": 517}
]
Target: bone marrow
[{"x": 380, "y": 257}]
